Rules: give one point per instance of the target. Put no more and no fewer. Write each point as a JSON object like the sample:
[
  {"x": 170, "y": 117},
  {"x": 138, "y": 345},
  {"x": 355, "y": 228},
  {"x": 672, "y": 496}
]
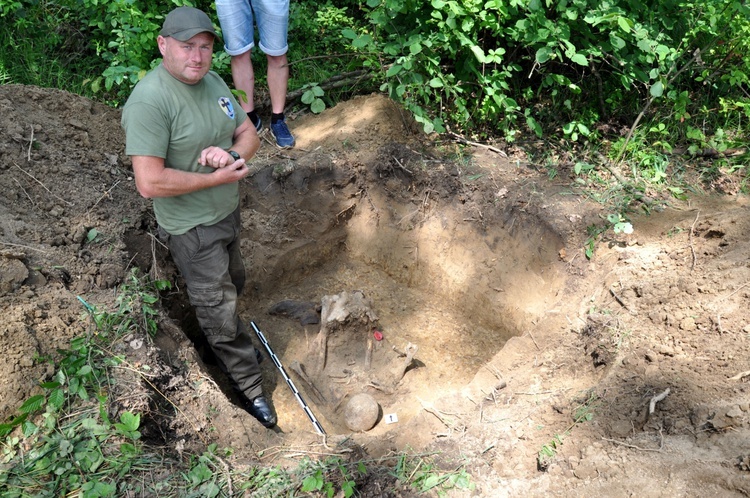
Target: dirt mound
[{"x": 487, "y": 337}]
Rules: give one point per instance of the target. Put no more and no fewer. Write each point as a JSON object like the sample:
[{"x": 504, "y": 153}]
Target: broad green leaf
[
  {"x": 657, "y": 89},
  {"x": 663, "y": 51},
  {"x": 580, "y": 59},
  {"x": 430, "y": 482},
  {"x": 307, "y": 97},
  {"x": 534, "y": 126},
  {"x": 478, "y": 53},
  {"x": 393, "y": 70},
  {"x": 312, "y": 483},
  {"x": 543, "y": 55},
  {"x": 362, "y": 41},
  {"x": 56, "y": 399},
  {"x": 318, "y": 106},
  {"x": 32, "y": 404},
  {"x": 616, "y": 41},
  {"x": 28, "y": 428},
  {"x": 130, "y": 420},
  {"x": 624, "y": 24}
]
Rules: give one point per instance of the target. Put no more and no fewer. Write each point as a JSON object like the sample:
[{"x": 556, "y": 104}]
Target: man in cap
[{"x": 188, "y": 144}]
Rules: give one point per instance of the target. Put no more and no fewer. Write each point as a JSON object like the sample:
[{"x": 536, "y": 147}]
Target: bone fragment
[
  {"x": 299, "y": 369},
  {"x": 411, "y": 350},
  {"x": 656, "y": 399},
  {"x": 368, "y": 354}
]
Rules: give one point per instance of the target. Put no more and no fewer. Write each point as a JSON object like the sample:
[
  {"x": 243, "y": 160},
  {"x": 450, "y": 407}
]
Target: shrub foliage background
[{"x": 493, "y": 68}]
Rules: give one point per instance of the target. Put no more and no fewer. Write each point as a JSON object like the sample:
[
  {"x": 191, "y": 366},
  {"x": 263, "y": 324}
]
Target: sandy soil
[{"x": 473, "y": 261}]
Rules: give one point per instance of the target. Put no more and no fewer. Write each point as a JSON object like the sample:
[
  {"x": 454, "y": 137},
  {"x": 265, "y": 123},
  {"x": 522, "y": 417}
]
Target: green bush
[
  {"x": 488, "y": 68},
  {"x": 498, "y": 66}
]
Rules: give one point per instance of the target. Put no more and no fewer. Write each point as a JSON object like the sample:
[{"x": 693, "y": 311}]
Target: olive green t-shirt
[{"x": 167, "y": 118}]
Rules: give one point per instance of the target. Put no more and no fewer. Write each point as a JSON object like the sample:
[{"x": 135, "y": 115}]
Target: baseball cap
[{"x": 184, "y": 23}]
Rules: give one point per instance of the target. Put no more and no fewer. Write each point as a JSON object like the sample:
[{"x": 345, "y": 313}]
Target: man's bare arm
[{"x": 153, "y": 179}]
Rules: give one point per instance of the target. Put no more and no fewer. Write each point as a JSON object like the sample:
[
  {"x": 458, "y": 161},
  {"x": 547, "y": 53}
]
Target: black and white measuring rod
[{"x": 289, "y": 382}]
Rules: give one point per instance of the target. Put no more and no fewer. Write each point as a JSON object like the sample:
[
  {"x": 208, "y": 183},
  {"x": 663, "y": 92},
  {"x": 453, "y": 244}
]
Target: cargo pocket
[{"x": 207, "y": 301}]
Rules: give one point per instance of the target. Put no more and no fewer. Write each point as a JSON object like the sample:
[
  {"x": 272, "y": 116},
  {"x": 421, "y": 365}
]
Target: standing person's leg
[
  {"x": 209, "y": 261},
  {"x": 237, "y": 28},
  {"x": 243, "y": 78},
  {"x": 272, "y": 17},
  {"x": 278, "y": 80}
]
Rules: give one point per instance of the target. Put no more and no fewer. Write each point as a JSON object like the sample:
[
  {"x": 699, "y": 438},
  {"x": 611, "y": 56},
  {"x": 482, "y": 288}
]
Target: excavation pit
[{"x": 440, "y": 280}]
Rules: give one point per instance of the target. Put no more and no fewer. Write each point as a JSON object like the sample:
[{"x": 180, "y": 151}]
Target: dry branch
[
  {"x": 458, "y": 138},
  {"x": 43, "y": 185},
  {"x": 336, "y": 81},
  {"x": 631, "y": 445}
]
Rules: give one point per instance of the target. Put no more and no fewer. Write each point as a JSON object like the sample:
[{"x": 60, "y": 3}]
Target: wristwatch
[{"x": 234, "y": 155}]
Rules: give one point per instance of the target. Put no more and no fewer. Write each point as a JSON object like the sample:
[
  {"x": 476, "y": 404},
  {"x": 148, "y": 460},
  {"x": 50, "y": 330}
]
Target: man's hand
[
  {"x": 233, "y": 172},
  {"x": 216, "y": 157}
]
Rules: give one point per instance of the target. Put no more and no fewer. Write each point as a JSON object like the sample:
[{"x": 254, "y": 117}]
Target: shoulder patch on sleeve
[{"x": 227, "y": 107}]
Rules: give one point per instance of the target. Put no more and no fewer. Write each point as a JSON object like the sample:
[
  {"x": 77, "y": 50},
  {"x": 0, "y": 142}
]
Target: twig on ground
[
  {"x": 337, "y": 81},
  {"x": 368, "y": 353},
  {"x": 23, "y": 246},
  {"x": 105, "y": 194},
  {"x": 460, "y": 139},
  {"x": 43, "y": 185},
  {"x": 377, "y": 386},
  {"x": 534, "y": 340},
  {"x": 618, "y": 299},
  {"x": 718, "y": 323},
  {"x": 31, "y": 142},
  {"x": 402, "y": 166},
  {"x": 436, "y": 414},
  {"x": 737, "y": 290},
  {"x": 631, "y": 445},
  {"x": 690, "y": 238},
  {"x": 24, "y": 191}
]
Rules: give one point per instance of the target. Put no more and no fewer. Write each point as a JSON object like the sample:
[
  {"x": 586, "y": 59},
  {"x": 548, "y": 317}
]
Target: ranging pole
[{"x": 297, "y": 395}]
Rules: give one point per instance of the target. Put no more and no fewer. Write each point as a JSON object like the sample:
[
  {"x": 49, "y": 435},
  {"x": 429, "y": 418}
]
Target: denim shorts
[{"x": 237, "y": 17}]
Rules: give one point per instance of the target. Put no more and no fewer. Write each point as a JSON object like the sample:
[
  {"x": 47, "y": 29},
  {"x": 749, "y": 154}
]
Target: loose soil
[{"x": 473, "y": 265}]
